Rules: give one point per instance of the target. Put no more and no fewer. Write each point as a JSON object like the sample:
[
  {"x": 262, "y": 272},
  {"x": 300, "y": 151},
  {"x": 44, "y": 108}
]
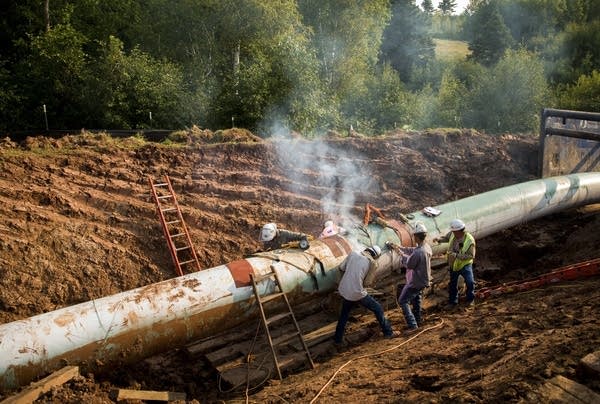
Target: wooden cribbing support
[
  {"x": 34, "y": 390},
  {"x": 559, "y": 389},
  {"x": 124, "y": 394}
]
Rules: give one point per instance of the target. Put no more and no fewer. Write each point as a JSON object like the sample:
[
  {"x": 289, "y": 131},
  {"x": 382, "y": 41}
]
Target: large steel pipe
[
  {"x": 502, "y": 208},
  {"x": 138, "y": 323}
]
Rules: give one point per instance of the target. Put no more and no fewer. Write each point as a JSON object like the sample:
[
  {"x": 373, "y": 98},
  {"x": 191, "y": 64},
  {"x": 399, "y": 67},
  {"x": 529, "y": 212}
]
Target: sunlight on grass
[{"x": 446, "y": 49}]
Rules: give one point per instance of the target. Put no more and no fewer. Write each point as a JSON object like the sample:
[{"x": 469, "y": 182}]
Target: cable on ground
[{"x": 370, "y": 355}]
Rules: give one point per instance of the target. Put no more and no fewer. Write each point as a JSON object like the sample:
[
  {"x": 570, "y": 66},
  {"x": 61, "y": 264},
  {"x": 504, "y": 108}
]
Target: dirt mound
[{"x": 79, "y": 224}]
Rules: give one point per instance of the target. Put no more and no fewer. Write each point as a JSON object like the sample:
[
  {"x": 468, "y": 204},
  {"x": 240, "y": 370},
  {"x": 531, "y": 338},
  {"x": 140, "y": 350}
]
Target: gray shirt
[
  {"x": 419, "y": 266},
  {"x": 355, "y": 267}
]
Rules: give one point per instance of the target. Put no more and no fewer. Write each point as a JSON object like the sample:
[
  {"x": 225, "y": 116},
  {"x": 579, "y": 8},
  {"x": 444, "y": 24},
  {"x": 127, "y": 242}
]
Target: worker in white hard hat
[
  {"x": 417, "y": 261},
  {"x": 461, "y": 254},
  {"x": 274, "y": 238},
  {"x": 351, "y": 288},
  {"x": 331, "y": 229}
]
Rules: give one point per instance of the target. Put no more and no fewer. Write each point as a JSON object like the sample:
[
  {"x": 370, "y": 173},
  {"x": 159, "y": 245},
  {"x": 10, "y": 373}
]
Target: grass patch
[{"x": 446, "y": 49}]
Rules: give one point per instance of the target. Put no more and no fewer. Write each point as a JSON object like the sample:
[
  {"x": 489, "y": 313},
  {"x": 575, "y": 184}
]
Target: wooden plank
[
  {"x": 239, "y": 350},
  {"x": 228, "y": 353},
  {"x": 559, "y": 389},
  {"x": 242, "y": 375},
  {"x": 317, "y": 336},
  {"x": 38, "y": 388},
  {"x": 590, "y": 364},
  {"x": 125, "y": 394},
  {"x": 221, "y": 340}
]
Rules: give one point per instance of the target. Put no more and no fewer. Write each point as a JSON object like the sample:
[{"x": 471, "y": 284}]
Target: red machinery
[{"x": 567, "y": 273}]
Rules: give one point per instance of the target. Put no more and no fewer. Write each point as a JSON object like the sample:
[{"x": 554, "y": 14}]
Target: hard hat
[
  {"x": 268, "y": 232},
  {"x": 328, "y": 231},
  {"x": 420, "y": 228},
  {"x": 375, "y": 251},
  {"x": 457, "y": 225}
]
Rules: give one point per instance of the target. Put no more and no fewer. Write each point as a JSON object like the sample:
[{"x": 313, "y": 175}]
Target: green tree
[
  {"x": 509, "y": 96},
  {"x": 347, "y": 38},
  {"x": 584, "y": 95},
  {"x": 270, "y": 74},
  {"x": 129, "y": 88},
  {"x": 582, "y": 48},
  {"x": 53, "y": 74},
  {"x": 459, "y": 80},
  {"x": 450, "y": 102},
  {"x": 389, "y": 102},
  {"x": 427, "y": 6},
  {"x": 10, "y": 100},
  {"x": 447, "y": 7},
  {"x": 406, "y": 41},
  {"x": 488, "y": 35},
  {"x": 530, "y": 19}
]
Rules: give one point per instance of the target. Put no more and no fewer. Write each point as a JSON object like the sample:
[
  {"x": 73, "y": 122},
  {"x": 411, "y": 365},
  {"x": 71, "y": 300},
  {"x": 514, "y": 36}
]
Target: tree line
[{"x": 302, "y": 65}]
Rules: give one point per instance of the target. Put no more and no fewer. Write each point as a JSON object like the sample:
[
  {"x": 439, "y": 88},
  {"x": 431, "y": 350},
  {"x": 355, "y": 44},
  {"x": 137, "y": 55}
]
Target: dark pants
[
  {"x": 371, "y": 304},
  {"x": 411, "y": 296},
  {"x": 467, "y": 273}
]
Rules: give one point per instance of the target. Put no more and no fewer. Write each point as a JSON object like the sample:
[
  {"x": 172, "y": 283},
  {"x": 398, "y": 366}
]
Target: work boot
[
  {"x": 411, "y": 331},
  {"x": 341, "y": 346},
  {"x": 394, "y": 334}
]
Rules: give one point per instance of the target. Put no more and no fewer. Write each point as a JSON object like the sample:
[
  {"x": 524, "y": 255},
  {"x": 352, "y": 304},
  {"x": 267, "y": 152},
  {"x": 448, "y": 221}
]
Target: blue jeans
[
  {"x": 370, "y": 303},
  {"x": 411, "y": 296},
  {"x": 467, "y": 273}
]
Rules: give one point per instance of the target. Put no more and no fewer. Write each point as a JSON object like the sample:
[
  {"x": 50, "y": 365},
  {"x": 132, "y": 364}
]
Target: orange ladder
[
  {"x": 174, "y": 228},
  {"x": 266, "y": 321}
]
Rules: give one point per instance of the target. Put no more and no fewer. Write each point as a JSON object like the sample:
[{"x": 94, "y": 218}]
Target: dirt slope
[{"x": 79, "y": 224}]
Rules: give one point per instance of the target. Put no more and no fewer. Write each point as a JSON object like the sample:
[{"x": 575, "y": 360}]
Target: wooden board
[
  {"x": 38, "y": 388},
  {"x": 559, "y": 389},
  {"x": 125, "y": 394},
  {"x": 590, "y": 364}
]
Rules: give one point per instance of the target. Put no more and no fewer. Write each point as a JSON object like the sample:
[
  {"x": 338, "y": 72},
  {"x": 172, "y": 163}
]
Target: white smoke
[{"x": 340, "y": 176}]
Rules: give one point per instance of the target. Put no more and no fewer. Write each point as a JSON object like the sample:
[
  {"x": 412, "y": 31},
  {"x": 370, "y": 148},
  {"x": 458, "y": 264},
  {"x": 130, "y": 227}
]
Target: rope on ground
[{"x": 375, "y": 354}]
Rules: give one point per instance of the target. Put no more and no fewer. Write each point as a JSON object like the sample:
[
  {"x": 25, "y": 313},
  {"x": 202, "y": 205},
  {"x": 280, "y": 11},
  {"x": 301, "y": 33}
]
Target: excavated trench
[{"x": 79, "y": 224}]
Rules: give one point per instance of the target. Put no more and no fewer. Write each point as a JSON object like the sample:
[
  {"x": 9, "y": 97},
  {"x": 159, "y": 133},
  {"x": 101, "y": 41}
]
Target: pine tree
[
  {"x": 406, "y": 40},
  {"x": 489, "y": 35},
  {"x": 427, "y": 6},
  {"x": 447, "y": 7}
]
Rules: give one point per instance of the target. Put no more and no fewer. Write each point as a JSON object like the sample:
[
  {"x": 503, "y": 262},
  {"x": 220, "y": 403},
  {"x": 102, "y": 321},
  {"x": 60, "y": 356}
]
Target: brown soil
[{"x": 79, "y": 224}]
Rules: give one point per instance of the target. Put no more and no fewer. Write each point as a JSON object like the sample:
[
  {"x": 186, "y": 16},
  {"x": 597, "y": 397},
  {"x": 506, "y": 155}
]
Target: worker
[
  {"x": 331, "y": 229},
  {"x": 461, "y": 254},
  {"x": 274, "y": 238},
  {"x": 418, "y": 277},
  {"x": 351, "y": 288}
]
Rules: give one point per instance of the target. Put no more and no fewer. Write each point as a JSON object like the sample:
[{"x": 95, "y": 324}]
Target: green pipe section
[{"x": 499, "y": 209}]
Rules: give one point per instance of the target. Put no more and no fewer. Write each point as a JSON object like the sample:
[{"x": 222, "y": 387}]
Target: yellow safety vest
[{"x": 459, "y": 264}]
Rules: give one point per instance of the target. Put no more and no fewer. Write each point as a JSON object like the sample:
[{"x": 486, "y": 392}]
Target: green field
[{"x": 446, "y": 49}]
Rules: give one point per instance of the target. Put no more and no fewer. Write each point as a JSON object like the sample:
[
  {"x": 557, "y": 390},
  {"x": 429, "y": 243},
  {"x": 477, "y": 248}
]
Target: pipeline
[{"x": 135, "y": 324}]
